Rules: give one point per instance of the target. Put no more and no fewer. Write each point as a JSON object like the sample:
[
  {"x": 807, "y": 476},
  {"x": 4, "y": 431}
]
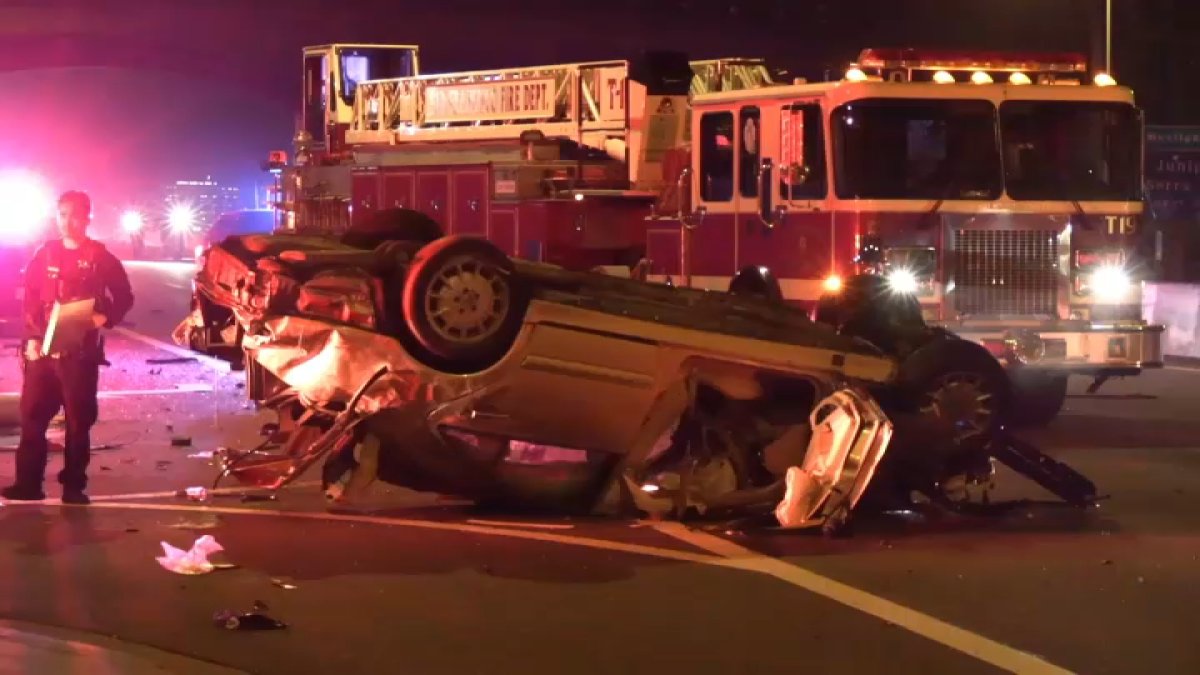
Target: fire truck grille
[{"x": 1006, "y": 272}]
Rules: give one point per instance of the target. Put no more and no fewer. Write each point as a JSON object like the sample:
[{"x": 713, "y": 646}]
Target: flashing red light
[
  {"x": 26, "y": 207},
  {"x": 940, "y": 59}
]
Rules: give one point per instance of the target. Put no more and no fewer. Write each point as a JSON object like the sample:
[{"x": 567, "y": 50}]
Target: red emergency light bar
[{"x": 933, "y": 59}]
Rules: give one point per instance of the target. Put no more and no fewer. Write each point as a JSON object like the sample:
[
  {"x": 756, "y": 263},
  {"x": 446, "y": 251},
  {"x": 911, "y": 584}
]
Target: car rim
[
  {"x": 962, "y": 400},
  {"x": 467, "y": 300}
]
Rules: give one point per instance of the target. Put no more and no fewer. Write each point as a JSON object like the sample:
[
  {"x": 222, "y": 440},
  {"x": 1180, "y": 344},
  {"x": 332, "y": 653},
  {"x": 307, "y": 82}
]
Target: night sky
[{"x": 124, "y": 95}]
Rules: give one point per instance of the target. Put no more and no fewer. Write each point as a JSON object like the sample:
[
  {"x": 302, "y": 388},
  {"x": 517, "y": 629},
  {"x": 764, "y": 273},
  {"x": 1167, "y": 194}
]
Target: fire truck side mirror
[{"x": 770, "y": 214}]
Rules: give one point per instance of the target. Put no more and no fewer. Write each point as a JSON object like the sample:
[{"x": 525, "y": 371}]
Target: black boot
[
  {"x": 23, "y": 493},
  {"x": 78, "y": 497}
]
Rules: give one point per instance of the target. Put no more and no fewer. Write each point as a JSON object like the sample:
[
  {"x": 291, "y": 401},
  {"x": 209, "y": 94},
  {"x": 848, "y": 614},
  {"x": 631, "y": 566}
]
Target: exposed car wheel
[
  {"x": 1037, "y": 397},
  {"x": 959, "y": 385},
  {"x": 393, "y": 225},
  {"x": 757, "y": 281},
  {"x": 462, "y": 301}
]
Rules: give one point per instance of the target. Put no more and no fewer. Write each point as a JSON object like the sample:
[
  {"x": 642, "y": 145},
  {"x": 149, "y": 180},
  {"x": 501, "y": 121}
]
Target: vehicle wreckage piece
[{"x": 640, "y": 396}]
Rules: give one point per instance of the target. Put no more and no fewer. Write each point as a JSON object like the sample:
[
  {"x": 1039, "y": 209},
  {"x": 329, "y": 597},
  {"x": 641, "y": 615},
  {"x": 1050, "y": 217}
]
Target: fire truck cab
[
  {"x": 999, "y": 193},
  {"x": 1002, "y": 191}
]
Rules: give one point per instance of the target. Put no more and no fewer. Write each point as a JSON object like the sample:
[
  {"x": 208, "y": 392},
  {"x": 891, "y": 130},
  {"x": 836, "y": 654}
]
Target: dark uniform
[{"x": 67, "y": 380}]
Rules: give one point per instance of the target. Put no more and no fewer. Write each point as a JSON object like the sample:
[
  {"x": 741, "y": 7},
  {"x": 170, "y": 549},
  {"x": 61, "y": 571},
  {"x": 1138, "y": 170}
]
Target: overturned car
[{"x": 440, "y": 364}]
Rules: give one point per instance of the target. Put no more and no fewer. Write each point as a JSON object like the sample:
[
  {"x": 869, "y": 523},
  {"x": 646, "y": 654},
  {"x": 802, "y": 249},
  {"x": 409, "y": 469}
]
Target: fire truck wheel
[
  {"x": 959, "y": 384},
  {"x": 392, "y": 225},
  {"x": 462, "y": 301},
  {"x": 1037, "y": 398},
  {"x": 757, "y": 281}
]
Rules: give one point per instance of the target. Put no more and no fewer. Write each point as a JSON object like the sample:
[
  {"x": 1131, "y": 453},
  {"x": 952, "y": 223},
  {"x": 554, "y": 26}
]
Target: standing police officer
[{"x": 64, "y": 270}]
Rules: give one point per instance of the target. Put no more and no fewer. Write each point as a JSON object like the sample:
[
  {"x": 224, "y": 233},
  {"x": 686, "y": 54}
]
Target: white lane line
[
  {"x": 173, "y": 265},
  {"x": 215, "y": 364},
  {"x": 186, "y": 388},
  {"x": 133, "y": 496},
  {"x": 959, "y": 639},
  {"x": 1185, "y": 369},
  {"x": 514, "y": 533},
  {"x": 518, "y": 523}
]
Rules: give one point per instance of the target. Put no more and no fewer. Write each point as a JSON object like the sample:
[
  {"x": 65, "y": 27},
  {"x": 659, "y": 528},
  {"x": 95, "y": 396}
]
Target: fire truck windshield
[
  {"x": 916, "y": 149},
  {"x": 1059, "y": 150}
]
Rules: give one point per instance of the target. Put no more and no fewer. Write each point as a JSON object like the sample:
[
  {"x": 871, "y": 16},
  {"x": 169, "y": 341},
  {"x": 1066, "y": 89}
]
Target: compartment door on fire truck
[{"x": 802, "y": 174}]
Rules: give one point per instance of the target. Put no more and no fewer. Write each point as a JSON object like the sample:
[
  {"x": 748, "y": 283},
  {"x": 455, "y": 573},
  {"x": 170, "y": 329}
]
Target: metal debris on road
[
  {"x": 174, "y": 359},
  {"x": 181, "y": 441},
  {"x": 203, "y": 454},
  {"x": 283, "y": 584},
  {"x": 253, "y": 620},
  {"x": 196, "y": 494}
]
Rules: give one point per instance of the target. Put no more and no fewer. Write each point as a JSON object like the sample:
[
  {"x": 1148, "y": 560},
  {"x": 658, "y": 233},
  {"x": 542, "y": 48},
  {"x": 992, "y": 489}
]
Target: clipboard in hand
[{"x": 68, "y": 324}]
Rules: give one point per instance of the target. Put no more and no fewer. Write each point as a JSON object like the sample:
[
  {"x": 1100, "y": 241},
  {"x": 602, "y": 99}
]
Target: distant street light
[
  {"x": 181, "y": 218},
  {"x": 132, "y": 222}
]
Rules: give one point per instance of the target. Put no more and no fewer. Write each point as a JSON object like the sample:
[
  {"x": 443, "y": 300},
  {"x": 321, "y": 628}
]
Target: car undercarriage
[{"x": 442, "y": 365}]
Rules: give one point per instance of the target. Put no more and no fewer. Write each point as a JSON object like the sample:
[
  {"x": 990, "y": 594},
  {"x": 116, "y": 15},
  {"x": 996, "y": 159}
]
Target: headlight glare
[
  {"x": 1110, "y": 283},
  {"x": 903, "y": 280}
]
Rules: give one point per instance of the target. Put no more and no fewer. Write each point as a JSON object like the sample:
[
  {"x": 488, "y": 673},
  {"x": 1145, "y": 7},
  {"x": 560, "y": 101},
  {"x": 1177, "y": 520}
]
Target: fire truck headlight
[
  {"x": 903, "y": 281},
  {"x": 832, "y": 284},
  {"x": 1110, "y": 283}
]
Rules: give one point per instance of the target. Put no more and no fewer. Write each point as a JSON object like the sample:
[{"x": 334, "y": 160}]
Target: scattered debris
[
  {"x": 181, "y": 441},
  {"x": 1106, "y": 562},
  {"x": 283, "y": 584},
  {"x": 193, "y": 561},
  {"x": 175, "y": 359},
  {"x": 162, "y": 464},
  {"x": 196, "y": 494},
  {"x": 203, "y": 454},
  {"x": 259, "y": 498},
  {"x": 132, "y": 530},
  {"x": 257, "y": 619}
]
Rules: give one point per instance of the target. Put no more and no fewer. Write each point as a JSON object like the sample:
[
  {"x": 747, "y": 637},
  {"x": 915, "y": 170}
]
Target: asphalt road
[{"x": 410, "y": 583}]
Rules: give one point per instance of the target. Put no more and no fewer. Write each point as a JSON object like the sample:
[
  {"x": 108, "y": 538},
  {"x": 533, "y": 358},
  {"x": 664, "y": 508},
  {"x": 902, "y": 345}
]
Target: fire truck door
[
  {"x": 470, "y": 202},
  {"x": 433, "y": 197},
  {"x": 398, "y": 186},
  {"x": 364, "y": 195},
  {"x": 801, "y": 162}
]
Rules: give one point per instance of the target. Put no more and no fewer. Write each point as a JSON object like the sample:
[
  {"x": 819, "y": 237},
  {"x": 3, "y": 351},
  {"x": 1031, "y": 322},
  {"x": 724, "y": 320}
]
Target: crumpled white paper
[{"x": 193, "y": 561}]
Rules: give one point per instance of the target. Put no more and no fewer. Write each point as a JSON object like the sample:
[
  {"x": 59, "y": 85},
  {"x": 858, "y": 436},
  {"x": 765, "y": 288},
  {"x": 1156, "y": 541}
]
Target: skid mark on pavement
[{"x": 946, "y": 634}]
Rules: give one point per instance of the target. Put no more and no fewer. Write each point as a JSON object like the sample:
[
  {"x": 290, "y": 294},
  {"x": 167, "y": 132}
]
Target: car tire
[
  {"x": 957, "y": 383},
  {"x": 756, "y": 281},
  {"x": 1037, "y": 398},
  {"x": 463, "y": 302}
]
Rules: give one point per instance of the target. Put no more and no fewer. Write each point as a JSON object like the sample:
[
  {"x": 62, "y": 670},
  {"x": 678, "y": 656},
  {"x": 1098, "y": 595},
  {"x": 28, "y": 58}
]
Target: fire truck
[{"x": 999, "y": 193}]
